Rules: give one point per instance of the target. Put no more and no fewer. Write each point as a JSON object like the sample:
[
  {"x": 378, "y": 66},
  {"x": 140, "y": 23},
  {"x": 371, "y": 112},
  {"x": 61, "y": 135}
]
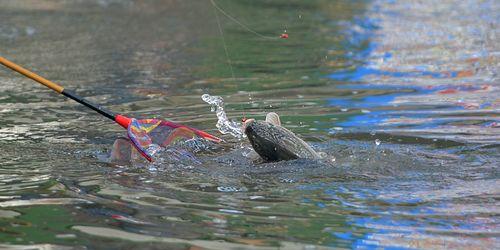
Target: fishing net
[{"x": 149, "y": 136}]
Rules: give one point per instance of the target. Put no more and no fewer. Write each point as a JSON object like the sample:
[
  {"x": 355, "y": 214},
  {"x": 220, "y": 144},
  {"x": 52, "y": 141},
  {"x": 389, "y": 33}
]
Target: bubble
[{"x": 377, "y": 142}]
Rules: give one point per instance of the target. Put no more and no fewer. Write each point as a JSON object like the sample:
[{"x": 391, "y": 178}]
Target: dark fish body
[{"x": 275, "y": 143}]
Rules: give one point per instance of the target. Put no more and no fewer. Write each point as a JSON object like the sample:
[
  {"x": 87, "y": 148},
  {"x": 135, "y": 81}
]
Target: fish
[{"x": 272, "y": 142}]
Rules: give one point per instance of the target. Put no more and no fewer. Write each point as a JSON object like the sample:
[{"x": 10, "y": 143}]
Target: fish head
[{"x": 266, "y": 138}]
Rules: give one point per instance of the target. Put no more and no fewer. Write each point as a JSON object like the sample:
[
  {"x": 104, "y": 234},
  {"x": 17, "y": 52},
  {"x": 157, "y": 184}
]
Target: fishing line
[
  {"x": 242, "y": 24},
  {"x": 221, "y": 31},
  {"x": 226, "y": 51}
]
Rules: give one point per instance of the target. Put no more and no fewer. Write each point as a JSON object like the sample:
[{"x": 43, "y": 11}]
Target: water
[
  {"x": 224, "y": 125},
  {"x": 420, "y": 78}
]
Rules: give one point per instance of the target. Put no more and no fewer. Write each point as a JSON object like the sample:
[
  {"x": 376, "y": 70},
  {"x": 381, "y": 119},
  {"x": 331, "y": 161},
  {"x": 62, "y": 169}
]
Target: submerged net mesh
[{"x": 150, "y": 135}]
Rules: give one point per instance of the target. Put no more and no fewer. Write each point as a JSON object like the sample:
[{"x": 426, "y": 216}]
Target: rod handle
[{"x": 29, "y": 74}]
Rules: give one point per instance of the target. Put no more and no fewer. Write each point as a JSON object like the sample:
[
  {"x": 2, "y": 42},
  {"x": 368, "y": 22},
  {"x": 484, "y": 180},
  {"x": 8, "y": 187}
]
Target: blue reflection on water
[
  {"x": 343, "y": 235},
  {"x": 360, "y": 72},
  {"x": 387, "y": 217},
  {"x": 360, "y": 39},
  {"x": 366, "y": 102},
  {"x": 372, "y": 104}
]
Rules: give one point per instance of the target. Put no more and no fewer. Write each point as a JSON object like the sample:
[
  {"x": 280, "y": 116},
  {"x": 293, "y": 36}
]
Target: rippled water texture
[{"x": 402, "y": 97}]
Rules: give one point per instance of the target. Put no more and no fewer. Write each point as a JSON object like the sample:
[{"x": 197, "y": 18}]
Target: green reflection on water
[
  {"x": 265, "y": 64},
  {"x": 38, "y": 224}
]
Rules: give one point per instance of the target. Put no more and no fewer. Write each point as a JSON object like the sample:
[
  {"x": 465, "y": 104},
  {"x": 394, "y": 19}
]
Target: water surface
[{"x": 402, "y": 97}]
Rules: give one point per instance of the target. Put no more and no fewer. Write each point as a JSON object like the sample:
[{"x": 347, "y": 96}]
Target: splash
[{"x": 224, "y": 125}]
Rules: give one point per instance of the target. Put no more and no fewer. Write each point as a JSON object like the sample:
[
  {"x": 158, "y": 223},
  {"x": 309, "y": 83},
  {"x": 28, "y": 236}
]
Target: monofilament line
[
  {"x": 241, "y": 24},
  {"x": 221, "y": 31}
]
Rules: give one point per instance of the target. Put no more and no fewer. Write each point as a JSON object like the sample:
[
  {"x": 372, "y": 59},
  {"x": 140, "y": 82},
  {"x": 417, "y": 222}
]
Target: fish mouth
[{"x": 246, "y": 124}]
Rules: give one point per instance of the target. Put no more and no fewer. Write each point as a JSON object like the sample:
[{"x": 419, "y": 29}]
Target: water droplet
[
  {"x": 153, "y": 149},
  {"x": 372, "y": 133},
  {"x": 377, "y": 142},
  {"x": 224, "y": 125}
]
